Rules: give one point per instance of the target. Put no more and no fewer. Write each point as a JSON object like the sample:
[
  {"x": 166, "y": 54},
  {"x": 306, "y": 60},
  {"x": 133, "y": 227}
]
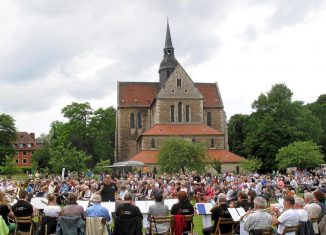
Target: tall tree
[
  {"x": 8, "y": 135},
  {"x": 79, "y": 117},
  {"x": 277, "y": 122},
  {"x": 41, "y": 157},
  {"x": 181, "y": 154},
  {"x": 67, "y": 157},
  {"x": 318, "y": 108},
  {"x": 102, "y": 134},
  {"x": 236, "y": 130},
  {"x": 301, "y": 154}
]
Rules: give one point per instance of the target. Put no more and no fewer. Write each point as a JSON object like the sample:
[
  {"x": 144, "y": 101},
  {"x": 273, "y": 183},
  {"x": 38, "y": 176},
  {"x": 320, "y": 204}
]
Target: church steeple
[{"x": 168, "y": 63}]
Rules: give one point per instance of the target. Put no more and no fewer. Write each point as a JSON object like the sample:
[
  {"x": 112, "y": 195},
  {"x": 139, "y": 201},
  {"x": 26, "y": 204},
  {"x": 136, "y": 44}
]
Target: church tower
[{"x": 168, "y": 63}]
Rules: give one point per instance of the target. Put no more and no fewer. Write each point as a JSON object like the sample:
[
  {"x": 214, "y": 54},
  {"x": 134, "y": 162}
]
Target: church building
[{"x": 150, "y": 112}]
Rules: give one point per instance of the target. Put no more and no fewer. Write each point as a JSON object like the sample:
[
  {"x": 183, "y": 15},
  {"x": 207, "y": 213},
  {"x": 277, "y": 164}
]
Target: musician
[
  {"x": 23, "y": 209},
  {"x": 52, "y": 209},
  {"x": 107, "y": 189},
  {"x": 5, "y": 211},
  {"x": 303, "y": 214},
  {"x": 183, "y": 207},
  {"x": 97, "y": 210},
  {"x": 219, "y": 211},
  {"x": 259, "y": 218},
  {"x": 289, "y": 217},
  {"x": 243, "y": 201},
  {"x": 159, "y": 209},
  {"x": 73, "y": 209}
]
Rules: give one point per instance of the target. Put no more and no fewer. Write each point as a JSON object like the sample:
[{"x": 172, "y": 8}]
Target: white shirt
[
  {"x": 289, "y": 217},
  {"x": 303, "y": 215},
  {"x": 52, "y": 211}
]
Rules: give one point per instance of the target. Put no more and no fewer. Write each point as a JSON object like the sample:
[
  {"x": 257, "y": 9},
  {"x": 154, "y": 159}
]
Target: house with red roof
[
  {"x": 25, "y": 145},
  {"x": 150, "y": 112}
]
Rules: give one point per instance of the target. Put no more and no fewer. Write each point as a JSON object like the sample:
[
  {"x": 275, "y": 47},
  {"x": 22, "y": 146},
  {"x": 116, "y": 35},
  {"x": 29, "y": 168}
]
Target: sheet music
[
  {"x": 82, "y": 203},
  {"x": 170, "y": 202},
  {"x": 234, "y": 214},
  {"x": 203, "y": 208},
  {"x": 39, "y": 202},
  {"x": 109, "y": 205},
  {"x": 241, "y": 211}
]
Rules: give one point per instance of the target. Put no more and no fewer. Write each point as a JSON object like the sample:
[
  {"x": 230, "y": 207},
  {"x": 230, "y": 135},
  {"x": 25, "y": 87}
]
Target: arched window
[
  {"x": 132, "y": 120},
  {"x": 212, "y": 143},
  {"x": 139, "y": 124},
  {"x": 172, "y": 113},
  {"x": 153, "y": 143},
  {"x": 179, "y": 111},
  {"x": 209, "y": 119},
  {"x": 187, "y": 113},
  {"x": 168, "y": 73}
]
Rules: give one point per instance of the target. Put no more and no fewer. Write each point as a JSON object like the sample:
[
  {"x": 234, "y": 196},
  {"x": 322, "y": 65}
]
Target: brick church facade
[{"x": 150, "y": 112}]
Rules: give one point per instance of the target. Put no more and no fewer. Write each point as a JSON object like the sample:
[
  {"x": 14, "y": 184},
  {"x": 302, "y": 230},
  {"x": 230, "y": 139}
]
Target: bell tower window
[{"x": 179, "y": 111}]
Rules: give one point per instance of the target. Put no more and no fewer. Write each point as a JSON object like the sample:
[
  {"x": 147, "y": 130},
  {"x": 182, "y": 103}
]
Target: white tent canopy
[{"x": 127, "y": 164}]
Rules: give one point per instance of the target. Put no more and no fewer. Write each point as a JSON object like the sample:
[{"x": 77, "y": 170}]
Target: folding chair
[
  {"x": 223, "y": 222},
  {"x": 22, "y": 223},
  {"x": 263, "y": 231},
  {"x": 190, "y": 219},
  {"x": 159, "y": 221},
  {"x": 289, "y": 229}
]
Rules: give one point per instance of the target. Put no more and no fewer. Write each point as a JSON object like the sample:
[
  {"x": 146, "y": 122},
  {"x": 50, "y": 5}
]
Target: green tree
[
  {"x": 102, "y": 166},
  {"x": 102, "y": 134},
  {"x": 8, "y": 135},
  {"x": 181, "y": 154},
  {"x": 79, "y": 117},
  {"x": 237, "y": 134},
  {"x": 217, "y": 166},
  {"x": 252, "y": 164},
  {"x": 277, "y": 122},
  {"x": 10, "y": 167},
  {"x": 41, "y": 157},
  {"x": 67, "y": 157},
  {"x": 301, "y": 154},
  {"x": 318, "y": 108}
]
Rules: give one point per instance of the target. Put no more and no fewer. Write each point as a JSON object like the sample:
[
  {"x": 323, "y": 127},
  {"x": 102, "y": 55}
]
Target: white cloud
[{"x": 53, "y": 53}]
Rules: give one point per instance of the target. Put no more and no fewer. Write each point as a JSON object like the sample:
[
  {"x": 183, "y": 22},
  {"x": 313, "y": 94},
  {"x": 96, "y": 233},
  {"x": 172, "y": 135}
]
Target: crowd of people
[{"x": 253, "y": 192}]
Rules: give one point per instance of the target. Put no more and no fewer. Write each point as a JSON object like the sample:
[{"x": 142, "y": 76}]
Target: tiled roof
[
  {"x": 210, "y": 93},
  {"x": 25, "y": 138},
  {"x": 137, "y": 94},
  {"x": 181, "y": 129},
  {"x": 142, "y": 94},
  {"x": 224, "y": 156}
]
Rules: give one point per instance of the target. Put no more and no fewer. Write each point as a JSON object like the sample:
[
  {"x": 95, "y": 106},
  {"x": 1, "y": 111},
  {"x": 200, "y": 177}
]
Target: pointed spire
[{"x": 168, "y": 40}]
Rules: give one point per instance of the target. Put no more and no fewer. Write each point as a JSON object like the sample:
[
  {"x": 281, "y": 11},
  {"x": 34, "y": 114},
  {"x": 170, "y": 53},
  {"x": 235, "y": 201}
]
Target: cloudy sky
[{"x": 54, "y": 52}]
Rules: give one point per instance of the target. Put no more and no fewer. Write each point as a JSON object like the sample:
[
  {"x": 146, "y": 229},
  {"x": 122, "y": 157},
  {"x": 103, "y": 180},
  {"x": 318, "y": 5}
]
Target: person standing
[{"x": 107, "y": 189}]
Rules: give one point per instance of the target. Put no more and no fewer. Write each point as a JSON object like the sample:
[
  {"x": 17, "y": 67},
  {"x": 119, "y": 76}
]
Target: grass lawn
[{"x": 198, "y": 224}]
